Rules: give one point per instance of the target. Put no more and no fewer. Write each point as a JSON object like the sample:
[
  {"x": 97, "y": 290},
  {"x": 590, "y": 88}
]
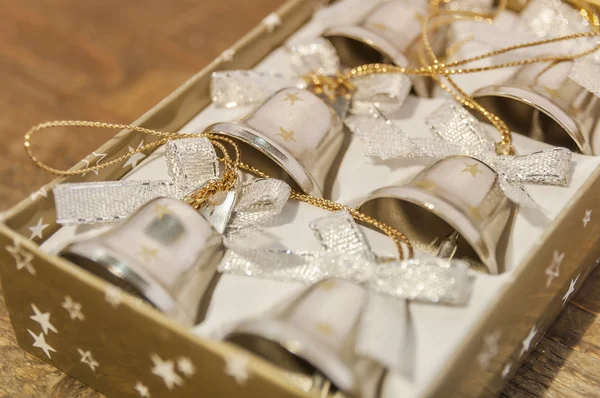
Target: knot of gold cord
[{"x": 332, "y": 86}]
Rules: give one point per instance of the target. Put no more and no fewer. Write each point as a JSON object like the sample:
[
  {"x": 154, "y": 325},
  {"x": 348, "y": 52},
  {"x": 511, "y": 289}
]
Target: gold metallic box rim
[{"x": 124, "y": 356}]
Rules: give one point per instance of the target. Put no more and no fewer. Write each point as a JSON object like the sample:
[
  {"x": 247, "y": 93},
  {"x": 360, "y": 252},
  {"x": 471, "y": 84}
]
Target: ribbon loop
[
  {"x": 386, "y": 91},
  {"x": 586, "y": 73},
  {"x": 460, "y": 133},
  {"x": 316, "y": 58},
  {"x": 339, "y": 233},
  {"x": 106, "y": 202},
  {"x": 313, "y": 56},
  {"x": 246, "y": 87},
  {"x": 453, "y": 123},
  {"x": 191, "y": 162},
  {"x": 260, "y": 201},
  {"x": 549, "y": 167}
]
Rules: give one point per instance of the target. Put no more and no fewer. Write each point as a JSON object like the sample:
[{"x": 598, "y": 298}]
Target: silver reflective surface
[
  {"x": 314, "y": 334},
  {"x": 540, "y": 101},
  {"x": 294, "y": 136},
  {"x": 458, "y": 193},
  {"x": 165, "y": 253}
]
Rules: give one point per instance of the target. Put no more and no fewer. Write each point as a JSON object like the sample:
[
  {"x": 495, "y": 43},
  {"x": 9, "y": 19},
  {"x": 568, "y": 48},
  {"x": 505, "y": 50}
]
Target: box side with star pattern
[
  {"x": 540, "y": 287},
  {"x": 85, "y": 327},
  {"x": 114, "y": 342}
]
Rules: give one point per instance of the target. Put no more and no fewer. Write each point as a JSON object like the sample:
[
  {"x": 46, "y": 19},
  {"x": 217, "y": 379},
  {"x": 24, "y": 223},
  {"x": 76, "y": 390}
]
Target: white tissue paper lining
[{"x": 236, "y": 297}]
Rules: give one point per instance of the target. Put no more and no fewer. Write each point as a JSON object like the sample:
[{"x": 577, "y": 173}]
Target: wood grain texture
[{"x": 113, "y": 60}]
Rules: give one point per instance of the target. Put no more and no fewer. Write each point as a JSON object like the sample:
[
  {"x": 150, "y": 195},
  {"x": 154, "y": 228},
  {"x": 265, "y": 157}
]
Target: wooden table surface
[{"x": 111, "y": 60}]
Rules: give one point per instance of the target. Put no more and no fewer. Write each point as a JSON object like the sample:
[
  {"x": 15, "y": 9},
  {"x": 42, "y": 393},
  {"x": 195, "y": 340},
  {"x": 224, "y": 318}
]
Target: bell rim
[
  {"x": 406, "y": 193},
  {"x": 100, "y": 258},
  {"x": 286, "y": 161},
  {"x": 150, "y": 290},
  {"x": 398, "y": 59},
  {"x": 535, "y": 100},
  {"x": 344, "y": 378}
]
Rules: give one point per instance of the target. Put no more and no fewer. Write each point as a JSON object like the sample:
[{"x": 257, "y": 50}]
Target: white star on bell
[
  {"x": 272, "y": 21},
  {"x": 236, "y": 366},
  {"x": 22, "y": 258},
  {"x": 86, "y": 357},
  {"x": 40, "y": 342},
  {"x": 142, "y": 390},
  {"x": 185, "y": 366},
  {"x": 166, "y": 371},
  {"x": 37, "y": 230},
  {"x": 571, "y": 290},
  {"x": 135, "y": 158},
  {"x": 526, "y": 343},
  {"x": 43, "y": 319}
]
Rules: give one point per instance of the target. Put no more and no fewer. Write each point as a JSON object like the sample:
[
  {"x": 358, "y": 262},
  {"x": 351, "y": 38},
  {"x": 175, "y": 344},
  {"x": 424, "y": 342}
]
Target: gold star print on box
[
  {"x": 287, "y": 135},
  {"x": 472, "y": 168},
  {"x": 292, "y": 97}
]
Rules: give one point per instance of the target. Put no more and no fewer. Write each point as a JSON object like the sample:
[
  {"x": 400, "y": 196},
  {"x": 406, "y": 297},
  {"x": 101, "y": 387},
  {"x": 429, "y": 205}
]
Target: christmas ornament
[
  {"x": 165, "y": 253},
  {"x": 334, "y": 331}
]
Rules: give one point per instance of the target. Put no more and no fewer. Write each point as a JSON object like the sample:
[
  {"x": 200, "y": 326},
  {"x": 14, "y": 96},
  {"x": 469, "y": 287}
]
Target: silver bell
[
  {"x": 165, "y": 253},
  {"x": 390, "y": 33},
  {"x": 453, "y": 208},
  {"x": 293, "y": 136},
  {"x": 540, "y": 101},
  {"x": 314, "y": 336}
]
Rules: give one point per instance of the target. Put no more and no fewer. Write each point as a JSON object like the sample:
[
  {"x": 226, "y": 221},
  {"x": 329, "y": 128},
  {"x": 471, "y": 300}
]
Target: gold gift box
[{"x": 111, "y": 351}]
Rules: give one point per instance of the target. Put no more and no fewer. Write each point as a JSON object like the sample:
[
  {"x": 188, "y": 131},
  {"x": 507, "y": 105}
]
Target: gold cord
[
  {"x": 342, "y": 83},
  {"x": 226, "y": 182}
]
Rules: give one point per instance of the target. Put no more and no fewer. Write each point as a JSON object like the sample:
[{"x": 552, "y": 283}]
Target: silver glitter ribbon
[
  {"x": 460, "y": 133},
  {"x": 545, "y": 19},
  {"x": 191, "y": 163},
  {"x": 586, "y": 73},
  {"x": 347, "y": 255},
  {"x": 240, "y": 87}
]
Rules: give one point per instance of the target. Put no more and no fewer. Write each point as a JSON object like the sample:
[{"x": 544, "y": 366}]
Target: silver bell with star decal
[
  {"x": 293, "y": 136},
  {"x": 388, "y": 34},
  {"x": 166, "y": 253},
  {"x": 542, "y": 101},
  {"x": 454, "y": 208},
  {"x": 314, "y": 337}
]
